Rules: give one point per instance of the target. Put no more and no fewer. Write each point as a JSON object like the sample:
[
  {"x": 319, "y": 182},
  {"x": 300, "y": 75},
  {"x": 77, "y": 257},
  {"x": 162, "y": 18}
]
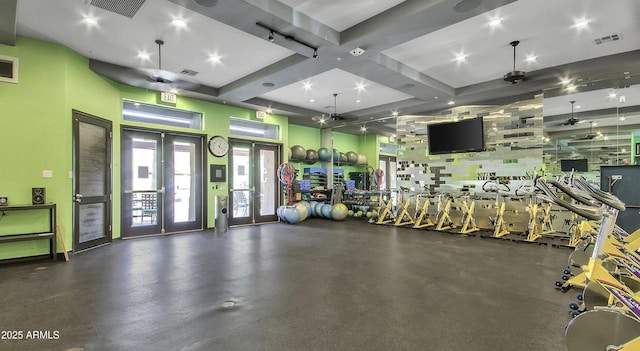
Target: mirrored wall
[{"x": 592, "y": 129}]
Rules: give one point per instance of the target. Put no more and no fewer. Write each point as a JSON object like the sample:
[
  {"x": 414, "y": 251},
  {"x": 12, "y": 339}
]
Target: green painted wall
[{"x": 36, "y": 134}]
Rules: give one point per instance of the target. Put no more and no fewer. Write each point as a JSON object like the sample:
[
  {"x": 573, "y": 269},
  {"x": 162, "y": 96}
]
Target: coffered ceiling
[{"x": 416, "y": 56}]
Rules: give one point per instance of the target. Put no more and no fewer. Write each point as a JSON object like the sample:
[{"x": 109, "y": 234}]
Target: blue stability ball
[
  {"x": 312, "y": 208},
  {"x": 326, "y": 210},
  {"x": 292, "y": 214},
  {"x": 318, "y": 209},
  {"x": 324, "y": 155},
  {"x": 281, "y": 213}
]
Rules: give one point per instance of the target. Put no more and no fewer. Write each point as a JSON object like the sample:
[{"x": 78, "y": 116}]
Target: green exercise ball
[
  {"x": 362, "y": 160},
  {"x": 324, "y": 155},
  {"x": 336, "y": 155}
]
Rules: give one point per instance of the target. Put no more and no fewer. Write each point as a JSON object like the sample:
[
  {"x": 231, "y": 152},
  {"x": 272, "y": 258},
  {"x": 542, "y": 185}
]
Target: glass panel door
[
  {"x": 142, "y": 211},
  {"x": 254, "y": 187},
  {"x": 162, "y": 181}
]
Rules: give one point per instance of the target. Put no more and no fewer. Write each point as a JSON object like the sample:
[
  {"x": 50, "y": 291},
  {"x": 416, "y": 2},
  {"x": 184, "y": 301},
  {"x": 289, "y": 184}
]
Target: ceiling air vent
[
  {"x": 189, "y": 72},
  {"x": 127, "y": 8},
  {"x": 607, "y": 39}
]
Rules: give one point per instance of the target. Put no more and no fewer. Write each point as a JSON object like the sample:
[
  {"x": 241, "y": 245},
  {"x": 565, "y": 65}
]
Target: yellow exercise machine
[
  {"x": 404, "y": 217},
  {"x": 386, "y": 216},
  {"x": 539, "y": 219},
  {"x": 422, "y": 212},
  {"x": 443, "y": 218},
  {"x": 468, "y": 222},
  {"x": 616, "y": 326}
]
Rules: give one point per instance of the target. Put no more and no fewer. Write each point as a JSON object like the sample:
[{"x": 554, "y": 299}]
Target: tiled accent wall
[{"x": 513, "y": 140}]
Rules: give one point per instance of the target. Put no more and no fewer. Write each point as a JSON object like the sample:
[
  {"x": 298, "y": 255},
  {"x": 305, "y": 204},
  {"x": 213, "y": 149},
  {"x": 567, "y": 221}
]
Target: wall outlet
[{"x": 616, "y": 177}]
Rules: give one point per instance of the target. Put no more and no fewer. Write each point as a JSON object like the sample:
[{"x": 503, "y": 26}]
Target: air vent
[
  {"x": 189, "y": 72},
  {"x": 607, "y": 39},
  {"x": 127, "y": 8}
]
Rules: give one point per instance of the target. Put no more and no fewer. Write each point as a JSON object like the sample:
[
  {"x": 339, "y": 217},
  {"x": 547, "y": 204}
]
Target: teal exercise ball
[
  {"x": 326, "y": 210},
  {"x": 336, "y": 155},
  {"x": 311, "y": 157},
  {"x": 292, "y": 214},
  {"x": 324, "y": 155},
  {"x": 298, "y": 153},
  {"x": 339, "y": 212},
  {"x": 352, "y": 158}
]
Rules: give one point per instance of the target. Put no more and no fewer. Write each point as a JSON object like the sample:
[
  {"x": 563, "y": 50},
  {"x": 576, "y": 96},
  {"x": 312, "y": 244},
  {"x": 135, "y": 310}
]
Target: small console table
[{"x": 50, "y": 234}]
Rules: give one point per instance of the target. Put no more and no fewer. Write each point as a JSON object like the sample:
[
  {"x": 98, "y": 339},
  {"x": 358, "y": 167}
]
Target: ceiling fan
[
  {"x": 335, "y": 116},
  {"x": 514, "y": 77},
  {"x": 591, "y": 135},
  {"x": 572, "y": 120},
  {"x": 165, "y": 80}
]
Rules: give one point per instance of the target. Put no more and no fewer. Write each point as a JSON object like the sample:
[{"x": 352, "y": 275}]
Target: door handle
[{"x": 77, "y": 198}]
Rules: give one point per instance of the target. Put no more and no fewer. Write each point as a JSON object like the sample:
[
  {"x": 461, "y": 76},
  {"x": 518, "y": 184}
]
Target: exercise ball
[
  {"x": 312, "y": 209},
  {"x": 324, "y": 155},
  {"x": 280, "y": 213},
  {"x": 312, "y": 157},
  {"x": 291, "y": 214},
  {"x": 362, "y": 160},
  {"x": 298, "y": 153},
  {"x": 352, "y": 158},
  {"x": 336, "y": 155},
  {"x": 350, "y": 212},
  {"x": 318, "y": 209},
  {"x": 343, "y": 159},
  {"x": 339, "y": 212},
  {"x": 326, "y": 210},
  {"x": 302, "y": 209}
]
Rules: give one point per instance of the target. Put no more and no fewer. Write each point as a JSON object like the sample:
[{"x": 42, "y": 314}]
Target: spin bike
[{"x": 616, "y": 326}]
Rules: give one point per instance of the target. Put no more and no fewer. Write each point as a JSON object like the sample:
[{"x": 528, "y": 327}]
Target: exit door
[{"x": 254, "y": 192}]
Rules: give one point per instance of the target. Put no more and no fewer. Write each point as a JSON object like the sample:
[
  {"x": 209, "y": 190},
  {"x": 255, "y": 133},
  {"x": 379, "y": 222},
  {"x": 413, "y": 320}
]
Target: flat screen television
[
  {"x": 579, "y": 165},
  {"x": 451, "y": 137}
]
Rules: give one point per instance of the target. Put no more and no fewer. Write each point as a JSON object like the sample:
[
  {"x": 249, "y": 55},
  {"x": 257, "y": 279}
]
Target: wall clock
[{"x": 218, "y": 146}]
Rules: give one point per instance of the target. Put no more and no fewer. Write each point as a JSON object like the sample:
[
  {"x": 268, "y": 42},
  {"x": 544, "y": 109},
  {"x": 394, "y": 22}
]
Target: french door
[
  {"x": 91, "y": 181},
  {"x": 254, "y": 192},
  {"x": 162, "y": 182}
]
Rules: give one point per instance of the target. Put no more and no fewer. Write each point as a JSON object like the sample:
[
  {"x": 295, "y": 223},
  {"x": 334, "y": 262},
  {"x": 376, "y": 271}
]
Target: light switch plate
[{"x": 47, "y": 173}]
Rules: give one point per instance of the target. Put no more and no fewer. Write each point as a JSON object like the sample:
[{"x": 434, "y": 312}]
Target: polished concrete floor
[{"x": 319, "y": 285}]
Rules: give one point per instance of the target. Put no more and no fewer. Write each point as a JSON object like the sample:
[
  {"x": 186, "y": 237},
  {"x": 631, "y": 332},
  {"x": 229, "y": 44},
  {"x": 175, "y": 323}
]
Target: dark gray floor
[{"x": 319, "y": 285}]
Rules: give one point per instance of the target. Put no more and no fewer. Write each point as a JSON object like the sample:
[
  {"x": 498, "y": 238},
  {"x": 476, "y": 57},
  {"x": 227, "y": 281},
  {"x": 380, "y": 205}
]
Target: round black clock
[{"x": 218, "y": 146}]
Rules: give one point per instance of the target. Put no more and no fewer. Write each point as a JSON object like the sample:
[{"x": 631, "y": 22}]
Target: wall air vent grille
[
  {"x": 606, "y": 39},
  {"x": 189, "y": 72},
  {"x": 127, "y": 8}
]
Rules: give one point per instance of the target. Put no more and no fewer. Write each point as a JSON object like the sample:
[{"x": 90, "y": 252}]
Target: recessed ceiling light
[
  {"x": 531, "y": 58},
  {"x": 622, "y": 118},
  {"x": 495, "y": 22},
  {"x": 623, "y": 150},
  {"x": 571, "y": 88},
  {"x": 461, "y": 58},
  {"x": 451, "y": 102},
  {"x": 214, "y": 58},
  {"x": 581, "y": 23},
  {"x": 323, "y": 120},
  {"x": 173, "y": 90},
  {"x": 179, "y": 23},
  {"x": 358, "y": 101},
  {"x": 312, "y": 100},
  {"x": 435, "y": 97},
  {"x": 580, "y": 122},
  {"x": 594, "y": 124},
  {"x": 612, "y": 95},
  {"x": 143, "y": 55},
  {"x": 360, "y": 86},
  {"x": 578, "y": 106},
  {"x": 306, "y": 86},
  {"x": 90, "y": 20},
  {"x": 269, "y": 110},
  {"x": 394, "y": 113},
  {"x": 565, "y": 80},
  {"x": 363, "y": 129}
]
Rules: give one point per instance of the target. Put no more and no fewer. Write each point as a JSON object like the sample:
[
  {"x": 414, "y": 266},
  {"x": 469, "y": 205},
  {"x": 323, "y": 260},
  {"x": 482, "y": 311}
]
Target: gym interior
[{"x": 306, "y": 175}]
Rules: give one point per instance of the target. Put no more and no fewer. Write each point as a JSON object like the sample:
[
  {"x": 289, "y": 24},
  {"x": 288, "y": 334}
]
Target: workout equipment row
[{"x": 607, "y": 314}]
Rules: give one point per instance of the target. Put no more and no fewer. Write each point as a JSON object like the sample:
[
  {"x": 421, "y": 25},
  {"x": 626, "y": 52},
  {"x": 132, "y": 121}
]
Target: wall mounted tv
[
  {"x": 451, "y": 137},
  {"x": 579, "y": 165}
]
